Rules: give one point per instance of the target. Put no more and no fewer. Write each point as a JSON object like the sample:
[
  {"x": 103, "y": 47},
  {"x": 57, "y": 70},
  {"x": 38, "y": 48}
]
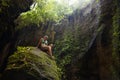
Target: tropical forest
[{"x": 59, "y": 39}]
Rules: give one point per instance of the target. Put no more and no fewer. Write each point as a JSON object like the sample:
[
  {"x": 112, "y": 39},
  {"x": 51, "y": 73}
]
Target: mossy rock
[{"x": 30, "y": 63}]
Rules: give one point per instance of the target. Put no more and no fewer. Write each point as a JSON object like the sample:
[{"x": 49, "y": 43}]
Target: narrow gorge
[{"x": 86, "y": 39}]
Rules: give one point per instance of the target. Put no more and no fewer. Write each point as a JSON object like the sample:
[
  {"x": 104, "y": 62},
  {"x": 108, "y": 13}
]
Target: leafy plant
[{"x": 43, "y": 11}]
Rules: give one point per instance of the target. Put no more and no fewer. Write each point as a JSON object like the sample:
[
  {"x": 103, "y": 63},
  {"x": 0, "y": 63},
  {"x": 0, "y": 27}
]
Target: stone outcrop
[{"x": 30, "y": 63}]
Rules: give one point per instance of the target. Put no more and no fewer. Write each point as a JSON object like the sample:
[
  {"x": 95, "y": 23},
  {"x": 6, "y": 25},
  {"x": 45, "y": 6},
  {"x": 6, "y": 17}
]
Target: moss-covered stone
[
  {"x": 116, "y": 42},
  {"x": 29, "y": 63}
]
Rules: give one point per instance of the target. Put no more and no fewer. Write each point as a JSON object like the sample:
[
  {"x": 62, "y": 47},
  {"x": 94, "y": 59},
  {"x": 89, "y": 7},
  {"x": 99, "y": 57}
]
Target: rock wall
[
  {"x": 93, "y": 30},
  {"x": 98, "y": 62},
  {"x": 9, "y": 11},
  {"x": 84, "y": 26}
]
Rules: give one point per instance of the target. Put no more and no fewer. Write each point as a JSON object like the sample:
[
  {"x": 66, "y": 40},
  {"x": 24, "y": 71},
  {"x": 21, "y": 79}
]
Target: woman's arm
[{"x": 39, "y": 42}]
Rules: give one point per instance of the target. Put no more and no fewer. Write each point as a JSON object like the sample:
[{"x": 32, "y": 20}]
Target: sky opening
[{"x": 75, "y": 4}]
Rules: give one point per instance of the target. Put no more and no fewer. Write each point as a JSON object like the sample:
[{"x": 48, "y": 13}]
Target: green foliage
[
  {"x": 4, "y": 3},
  {"x": 72, "y": 45},
  {"x": 66, "y": 60},
  {"x": 97, "y": 1},
  {"x": 65, "y": 49},
  {"x": 43, "y": 11}
]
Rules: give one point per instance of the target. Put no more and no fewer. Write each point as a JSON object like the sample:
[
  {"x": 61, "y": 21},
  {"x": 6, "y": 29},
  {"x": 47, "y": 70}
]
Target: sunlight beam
[{"x": 75, "y": 4}]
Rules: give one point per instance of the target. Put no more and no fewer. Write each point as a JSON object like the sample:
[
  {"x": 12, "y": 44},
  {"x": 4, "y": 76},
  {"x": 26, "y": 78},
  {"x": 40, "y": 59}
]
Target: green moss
[
  {"x": 34, "y": 62},
  {"x": 97, "y": 1},
  {"x": 5, "y": 3},
  {"x": 116, "y": 44}
]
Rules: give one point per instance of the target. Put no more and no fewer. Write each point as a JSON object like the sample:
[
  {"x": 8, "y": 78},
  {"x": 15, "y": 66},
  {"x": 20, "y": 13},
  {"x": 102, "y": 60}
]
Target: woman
[{"x": 43, "y": 43}]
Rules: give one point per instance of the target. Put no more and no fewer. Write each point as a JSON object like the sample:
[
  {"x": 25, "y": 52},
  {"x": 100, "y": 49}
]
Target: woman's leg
[{"x": 48, "y": 48}]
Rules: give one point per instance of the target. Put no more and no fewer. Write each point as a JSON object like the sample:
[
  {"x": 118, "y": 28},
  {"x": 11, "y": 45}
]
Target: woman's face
[{"x": 45, "y": 38}]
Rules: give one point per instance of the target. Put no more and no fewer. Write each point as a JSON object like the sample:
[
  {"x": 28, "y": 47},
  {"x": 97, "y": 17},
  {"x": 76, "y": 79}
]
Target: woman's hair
[{"x": 46, "y": 36}]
